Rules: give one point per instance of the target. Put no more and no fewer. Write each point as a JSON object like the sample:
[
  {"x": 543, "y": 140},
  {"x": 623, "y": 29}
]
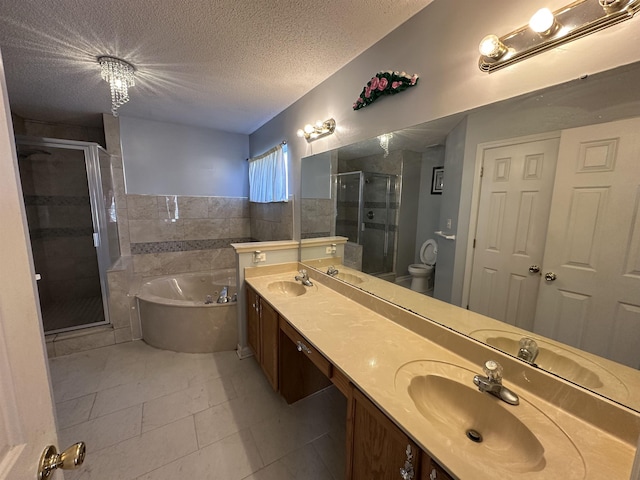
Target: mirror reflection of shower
[
  {"x": 68, "y": 194},
  {"x": 366, "y": 213}
]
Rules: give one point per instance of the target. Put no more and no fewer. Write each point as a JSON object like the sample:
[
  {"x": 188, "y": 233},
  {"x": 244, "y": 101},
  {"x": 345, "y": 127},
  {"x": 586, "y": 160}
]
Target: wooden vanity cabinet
[
  {"x": 303, "y": 369},
  {"x": 377, "y": 448},
  {"x": 263, "y": 335},
  {"x": 430, "y": 470}
]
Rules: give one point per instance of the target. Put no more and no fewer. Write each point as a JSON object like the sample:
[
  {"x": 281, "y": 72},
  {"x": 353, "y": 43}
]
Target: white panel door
[
  {"x": 593, "y": 243},
  {"x": 515, "y": 198},
  {"x": 26, "y": 408}
]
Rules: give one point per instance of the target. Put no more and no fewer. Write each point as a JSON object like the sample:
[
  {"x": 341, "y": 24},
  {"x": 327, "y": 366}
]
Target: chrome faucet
[
  {"x": 208, "y": 300},
  {"x": 332, "y": 271},
  {"x": 304, "y": 278},
  {"x": 492, "y": 383},
  {"x": 528, "y": 350},
  {"x": 224, "y": 295}
]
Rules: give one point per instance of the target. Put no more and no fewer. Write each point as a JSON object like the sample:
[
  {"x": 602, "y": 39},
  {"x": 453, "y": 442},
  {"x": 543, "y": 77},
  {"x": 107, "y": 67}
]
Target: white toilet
[{"x": 422, "y": 273}]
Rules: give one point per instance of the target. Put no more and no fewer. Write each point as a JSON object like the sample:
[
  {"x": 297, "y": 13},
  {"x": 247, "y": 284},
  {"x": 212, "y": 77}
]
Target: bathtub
[{"x": 174, "y": 316}]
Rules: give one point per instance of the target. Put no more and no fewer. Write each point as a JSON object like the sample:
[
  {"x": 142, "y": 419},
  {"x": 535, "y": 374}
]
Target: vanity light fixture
[
  {"x": 320, "y": 129},
  {"x": 547, "y": 30},
  {"x": 120, "y": 76}
]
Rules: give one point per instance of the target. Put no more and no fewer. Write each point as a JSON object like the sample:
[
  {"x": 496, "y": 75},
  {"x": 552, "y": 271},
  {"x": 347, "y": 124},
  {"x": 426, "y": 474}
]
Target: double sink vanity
[{"x": 419, "y": 404}]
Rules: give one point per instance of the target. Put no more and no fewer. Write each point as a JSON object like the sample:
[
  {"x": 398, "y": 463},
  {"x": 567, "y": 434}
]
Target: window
[{"x": 268, "y": 176}]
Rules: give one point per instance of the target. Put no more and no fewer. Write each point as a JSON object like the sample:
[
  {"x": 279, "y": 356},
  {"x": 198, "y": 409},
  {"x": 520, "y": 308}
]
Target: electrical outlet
[
  {"x": 328, "y": 250},
  {"x": 259, "y": 257}
]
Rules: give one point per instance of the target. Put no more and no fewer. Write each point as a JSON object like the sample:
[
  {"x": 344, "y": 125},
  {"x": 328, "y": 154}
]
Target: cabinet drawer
[{"x": 303, "y": 346}]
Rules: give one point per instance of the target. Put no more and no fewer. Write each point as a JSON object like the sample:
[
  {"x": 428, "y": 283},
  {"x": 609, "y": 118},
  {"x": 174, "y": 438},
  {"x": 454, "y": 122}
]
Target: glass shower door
[
  {"x": 348, "y": 205},
  {"x": 378, "y": 234},
  {"x": 62, "y": 191}
]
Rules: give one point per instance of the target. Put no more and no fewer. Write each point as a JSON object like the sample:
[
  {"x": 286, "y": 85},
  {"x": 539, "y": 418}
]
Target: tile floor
[{"x": 149, "y": 414}]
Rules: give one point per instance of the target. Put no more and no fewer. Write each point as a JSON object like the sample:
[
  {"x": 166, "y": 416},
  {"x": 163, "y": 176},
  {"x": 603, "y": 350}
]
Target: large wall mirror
[{"x": 535, "y": 217}]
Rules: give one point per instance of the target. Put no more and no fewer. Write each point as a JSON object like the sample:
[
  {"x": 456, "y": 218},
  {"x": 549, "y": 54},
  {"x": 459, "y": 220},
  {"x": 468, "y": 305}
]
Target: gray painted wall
[
  {"x": 428, "y": 205},
  {"x": 169, "y": 159},
  {"x": 441, "y": 45},
  {"x": 408, "y": 218},
  {"x": 316, "y": 176},
  {"x": 452, "y": 188}
]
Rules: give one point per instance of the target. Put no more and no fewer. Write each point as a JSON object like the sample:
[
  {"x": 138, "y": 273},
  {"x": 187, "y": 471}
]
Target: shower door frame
[{"x": 98, "y": 214}]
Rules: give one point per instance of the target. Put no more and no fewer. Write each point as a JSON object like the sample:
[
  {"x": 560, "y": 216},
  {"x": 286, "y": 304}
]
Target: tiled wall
[
  {"x": 23, "y": 126},
  {"x": 271, "y": 221},
  {"x": 318, "y": 218},
  {"x": 173, "y": 234}
]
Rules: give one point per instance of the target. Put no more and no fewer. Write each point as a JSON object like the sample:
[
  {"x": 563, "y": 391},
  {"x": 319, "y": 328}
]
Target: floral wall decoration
[{"x": 384, "y": 83}]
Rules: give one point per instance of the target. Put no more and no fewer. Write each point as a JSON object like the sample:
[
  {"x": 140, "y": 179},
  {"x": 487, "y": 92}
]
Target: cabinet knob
[
  {"x": 302, "y": 347},
  {"x": 433, "y": 475}
]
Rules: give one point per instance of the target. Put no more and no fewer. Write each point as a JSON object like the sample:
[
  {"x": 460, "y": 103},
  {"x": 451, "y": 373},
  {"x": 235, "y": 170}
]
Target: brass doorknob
[
  {"x": 534, "y": 269},
  {"x": 51, "y": 460},
  {"x": 550, "y": 276}
]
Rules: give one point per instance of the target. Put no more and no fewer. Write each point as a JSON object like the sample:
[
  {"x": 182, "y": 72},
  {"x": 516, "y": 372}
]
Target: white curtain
[{"x": 268, "y": 178}]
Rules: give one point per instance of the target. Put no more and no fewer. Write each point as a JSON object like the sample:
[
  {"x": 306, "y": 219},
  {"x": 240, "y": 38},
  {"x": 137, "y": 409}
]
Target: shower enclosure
[
  {"x": 70, "y": 206},
  {"x": 366, "y": 213}
]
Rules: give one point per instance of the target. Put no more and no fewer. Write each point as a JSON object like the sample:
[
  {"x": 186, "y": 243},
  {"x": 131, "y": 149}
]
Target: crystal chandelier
[
  {"x": 384, "y": 142},
  {"x": 120, "y": 76}
]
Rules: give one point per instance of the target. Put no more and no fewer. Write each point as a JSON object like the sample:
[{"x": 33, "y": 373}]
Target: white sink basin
[
  {"x": 484, "y": 432},
  {"x": 350, "y": 278}
]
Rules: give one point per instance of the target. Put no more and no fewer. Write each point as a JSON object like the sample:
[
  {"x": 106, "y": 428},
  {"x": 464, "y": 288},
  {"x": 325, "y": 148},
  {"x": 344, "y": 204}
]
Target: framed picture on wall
[{"x": 436, "y": 181}]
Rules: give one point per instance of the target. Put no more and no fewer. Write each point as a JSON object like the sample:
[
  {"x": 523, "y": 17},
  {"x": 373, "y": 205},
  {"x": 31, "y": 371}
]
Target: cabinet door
[
  {"x": 378, "y": 446},
  {"x": 253, "y": 322},
  {"x": 269, "y": 348},
  {"x": 430, "y": 470}
]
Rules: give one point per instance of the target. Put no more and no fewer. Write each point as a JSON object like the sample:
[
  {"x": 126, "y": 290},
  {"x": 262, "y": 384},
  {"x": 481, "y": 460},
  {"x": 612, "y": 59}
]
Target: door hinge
[
  {"x": 474, "y": 243},
  {"x": 481, "y": 172}
]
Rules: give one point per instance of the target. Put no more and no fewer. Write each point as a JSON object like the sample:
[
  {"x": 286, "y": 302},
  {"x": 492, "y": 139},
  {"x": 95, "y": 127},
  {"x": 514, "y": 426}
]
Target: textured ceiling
[{"x": 225, "y": 64}]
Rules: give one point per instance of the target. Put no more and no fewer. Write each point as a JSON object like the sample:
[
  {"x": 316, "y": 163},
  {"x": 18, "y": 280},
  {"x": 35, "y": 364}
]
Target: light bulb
[
  {"x": 491, "y": 46},
  {"x": 319, "y": 124},
  {"x": 308, "y": 128},
  {"x": 542, "y": 21},
  {"x": 300, "y": 133}
]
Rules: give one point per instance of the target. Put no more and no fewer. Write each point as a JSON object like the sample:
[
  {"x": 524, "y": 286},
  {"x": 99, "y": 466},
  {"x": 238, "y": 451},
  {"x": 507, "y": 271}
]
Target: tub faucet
[
  {"x": 208, "y": 300},
  {"x": 304, "y": 278},
  {"x": 332, "y": 271},
  {"x": 492, "y": 383},
  {"x": 224, "y": 295},
  {"x": 528, "y": 350}
]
